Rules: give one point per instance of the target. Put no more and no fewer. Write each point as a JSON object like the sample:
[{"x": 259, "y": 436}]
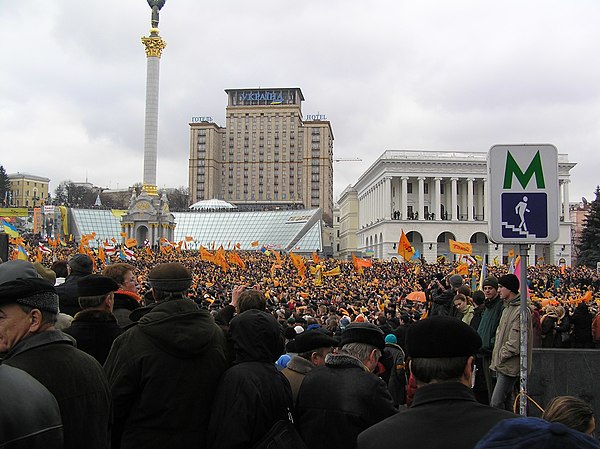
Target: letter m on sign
[{"x": 535, "y": 168}]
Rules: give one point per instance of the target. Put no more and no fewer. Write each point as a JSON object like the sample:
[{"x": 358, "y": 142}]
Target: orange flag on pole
[{"x": 405, "y": 249}]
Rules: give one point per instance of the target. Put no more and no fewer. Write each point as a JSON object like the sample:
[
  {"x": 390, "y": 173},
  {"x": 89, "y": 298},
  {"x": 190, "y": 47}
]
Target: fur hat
[
  {"x": 366, "y": 333},
  {"x": 311, "y": 340},
  {"x": 170, "y": 277},
  {"x": 534, "y": 433},
  {"x": 491, "y": 281},
  {"x": 96, "y": 285},
  {"x": 510, "y": 281},
  {"x": 81, "y": 264},
  {"x": 32, "y": 292},
  {"x": 455, "y": 281},
  {"x": 441, "y": 336}
]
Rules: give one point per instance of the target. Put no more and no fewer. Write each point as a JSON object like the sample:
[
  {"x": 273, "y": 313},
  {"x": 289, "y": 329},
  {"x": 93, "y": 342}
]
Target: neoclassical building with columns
[{"x": 434, "y": 196}]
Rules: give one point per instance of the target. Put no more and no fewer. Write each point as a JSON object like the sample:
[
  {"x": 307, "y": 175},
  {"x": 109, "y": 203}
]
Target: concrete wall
[{"x": 560, "y": 372}]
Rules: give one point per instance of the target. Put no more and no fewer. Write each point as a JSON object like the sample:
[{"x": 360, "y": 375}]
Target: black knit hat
[
  {"x": 96, "y": 285},
  {"x": 363, "y": 333},
  {"x": 441, "y": 336},
  {"x": 81, "y": 264},
  {"x": 510, "y": 281},
  {"x": 170, "y": 277},
  {"x": 33, "y": 292},
  {"x": 311, "y": 340}
]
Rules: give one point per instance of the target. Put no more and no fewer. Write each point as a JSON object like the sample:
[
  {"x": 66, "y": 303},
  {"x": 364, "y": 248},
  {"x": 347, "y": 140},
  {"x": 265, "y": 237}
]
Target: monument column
[{"x": 154, "y": 46}]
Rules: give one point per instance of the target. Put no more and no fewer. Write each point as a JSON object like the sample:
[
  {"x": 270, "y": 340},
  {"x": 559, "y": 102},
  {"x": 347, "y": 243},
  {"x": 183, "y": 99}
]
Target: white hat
[{"x": 299, "y": 329}]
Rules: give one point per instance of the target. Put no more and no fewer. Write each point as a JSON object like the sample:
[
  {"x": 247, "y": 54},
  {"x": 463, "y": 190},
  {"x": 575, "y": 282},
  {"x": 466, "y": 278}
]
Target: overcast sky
[{"x": 434, "y": 75}]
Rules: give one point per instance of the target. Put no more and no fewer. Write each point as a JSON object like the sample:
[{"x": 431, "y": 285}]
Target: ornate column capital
[{"x": 154, "y": 45}]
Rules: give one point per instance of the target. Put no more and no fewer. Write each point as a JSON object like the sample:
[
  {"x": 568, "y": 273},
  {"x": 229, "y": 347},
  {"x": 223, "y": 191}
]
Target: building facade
[
  {"x": 268, "y": 156},
  {"x": 578, "y": 214},
  {"x": 28, "y": 190},
  {"x": 434, "y": 197}
]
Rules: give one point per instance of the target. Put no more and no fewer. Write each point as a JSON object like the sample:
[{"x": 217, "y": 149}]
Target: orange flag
[
  {"x": 123, "y": 234},
  {"x": 254, "y": 243},
  {"x": 460, "y": 247},
  {"x": 298, "y": 262},
  {"x": 405, "y": 249},
  {"x": 315, "y": 257},
  {"x": 131, "y": 242},
  {"x": 206, "y": 254},
  {"x": 101, "y": 253},
  {"x": 462, "y": 269},
  {"x": 359, "y": 263},
  {"x": 148, "y": 251},
  {"x": 278, "y": 257},
  {"x": 235, "y": 259}
]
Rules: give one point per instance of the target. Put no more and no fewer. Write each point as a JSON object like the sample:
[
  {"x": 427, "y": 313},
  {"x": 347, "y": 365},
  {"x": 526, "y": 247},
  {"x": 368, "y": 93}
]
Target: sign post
[{"x": 523, "y": 205}]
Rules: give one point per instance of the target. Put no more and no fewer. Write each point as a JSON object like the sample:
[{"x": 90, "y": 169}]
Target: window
[
  {"x": 409, "y": 187},
  {"x": 426, "y": 189}
]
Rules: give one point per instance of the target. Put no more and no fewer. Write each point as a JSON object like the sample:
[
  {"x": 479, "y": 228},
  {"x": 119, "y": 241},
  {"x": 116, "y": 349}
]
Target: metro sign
[{"x": 523, "y": 193}]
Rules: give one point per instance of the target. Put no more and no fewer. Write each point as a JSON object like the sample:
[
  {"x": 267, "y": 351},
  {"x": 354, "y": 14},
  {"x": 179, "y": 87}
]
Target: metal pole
[{"x": 524, "y": 328}]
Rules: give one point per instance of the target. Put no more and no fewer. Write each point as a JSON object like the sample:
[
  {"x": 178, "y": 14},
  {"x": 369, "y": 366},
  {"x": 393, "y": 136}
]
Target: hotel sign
[
  {"x": 316, "y": 117},
  {"x": 202, "y": 119}
]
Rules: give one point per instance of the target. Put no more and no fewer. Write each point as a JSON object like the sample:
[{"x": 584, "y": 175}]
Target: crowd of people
[{"x": 173, "y": 350}]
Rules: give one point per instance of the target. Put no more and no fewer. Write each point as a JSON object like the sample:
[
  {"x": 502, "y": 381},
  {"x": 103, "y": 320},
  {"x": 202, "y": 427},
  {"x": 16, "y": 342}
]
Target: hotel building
[{"x": 267, "y": 157}]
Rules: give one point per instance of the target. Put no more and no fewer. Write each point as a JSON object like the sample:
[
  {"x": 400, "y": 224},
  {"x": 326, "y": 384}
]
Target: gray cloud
[{"x": 432, "y": 74}]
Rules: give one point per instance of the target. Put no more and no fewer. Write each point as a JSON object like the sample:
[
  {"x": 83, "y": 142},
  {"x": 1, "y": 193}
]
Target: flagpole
[{"x": 524, "y": 329}]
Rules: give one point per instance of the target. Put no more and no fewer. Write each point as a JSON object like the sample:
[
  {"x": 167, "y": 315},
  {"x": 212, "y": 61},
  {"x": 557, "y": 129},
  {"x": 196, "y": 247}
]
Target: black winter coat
[
  {"x": 253, "y": 395},
  {"x": 95, "y": 332},
  {"x": 582, "y": 327},
  {"x": 125, "y": 303},
  {"x": 68, "y": 294},
  {"x": 441, "y": 416},
  {"x": 29, "y": 415},
  {"x": 75, "y": 379},
  {"x": 338, "y": 401},
  {"x": 163, "y": 373}
]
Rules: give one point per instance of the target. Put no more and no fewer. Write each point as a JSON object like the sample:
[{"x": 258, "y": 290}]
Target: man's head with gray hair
[
  {"x": 96, "y": 291},
  {"x": 28, "y": 303}
]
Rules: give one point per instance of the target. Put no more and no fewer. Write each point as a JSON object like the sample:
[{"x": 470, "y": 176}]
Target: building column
[
  {"x": 404, "y": 201},
  {"x": 421, "y": 198},
  {"x": 387, "y": 202},
  {"x": 438, "y": 198},
  {"x": 566, "y": 199},
  {"x": 454, "y": 214},
  {"x": 485, "y": 199},
  {"x": 380, "y": 201},
  {"x": 479, "y": 207},
  {"x": 470, "y": 199},
  {"x": 561, "y": 185}
]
